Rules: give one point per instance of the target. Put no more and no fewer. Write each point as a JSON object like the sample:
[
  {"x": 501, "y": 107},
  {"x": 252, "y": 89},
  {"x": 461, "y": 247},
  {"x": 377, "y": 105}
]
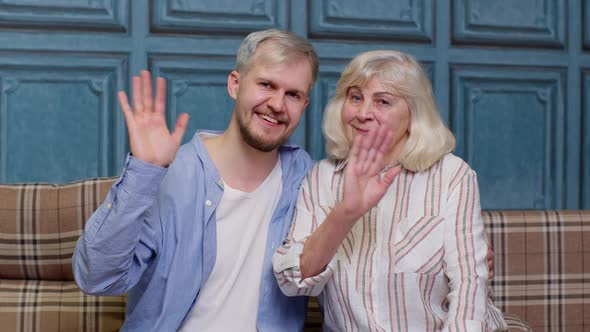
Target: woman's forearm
[{"x": 321, "y": 246}]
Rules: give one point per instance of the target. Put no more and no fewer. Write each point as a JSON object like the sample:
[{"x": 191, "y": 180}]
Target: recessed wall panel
[
  {"x": 73, "y": 15},
  {"x": 529, "y": 23},
  {"x": 372, "y": 19},
  {"x": 509, "y": 125},
  {"x": 202, "y": 16},
  {"x": 58, "y": 120}
]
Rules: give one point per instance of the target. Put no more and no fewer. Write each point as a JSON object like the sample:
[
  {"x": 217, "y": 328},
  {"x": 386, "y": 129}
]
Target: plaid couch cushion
[
  {"x": 40, "y": 224},
  {"x": 542, "y": 258},
  {"x": 541, "y": 263},
  {"x": 34, "y": 305}
]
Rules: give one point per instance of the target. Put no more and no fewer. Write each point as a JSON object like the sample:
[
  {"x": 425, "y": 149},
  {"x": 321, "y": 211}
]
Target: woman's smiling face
[{"x": 370, "y": 107}]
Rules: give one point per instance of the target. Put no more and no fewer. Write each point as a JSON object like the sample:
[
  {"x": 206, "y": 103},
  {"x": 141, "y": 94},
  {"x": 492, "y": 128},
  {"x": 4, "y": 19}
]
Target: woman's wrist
[{"x": 345, "y": 214}]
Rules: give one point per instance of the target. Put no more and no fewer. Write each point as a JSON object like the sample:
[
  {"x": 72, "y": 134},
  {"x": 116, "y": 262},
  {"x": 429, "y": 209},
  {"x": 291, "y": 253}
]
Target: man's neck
[{"x": 241, "y": 166}]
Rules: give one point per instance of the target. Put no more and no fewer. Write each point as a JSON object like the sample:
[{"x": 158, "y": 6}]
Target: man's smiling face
[{"x": 270, "y": 99}]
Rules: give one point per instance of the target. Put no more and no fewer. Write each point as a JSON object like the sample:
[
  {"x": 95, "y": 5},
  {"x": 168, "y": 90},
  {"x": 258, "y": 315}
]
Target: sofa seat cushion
[{"x": 34, "y": 305}]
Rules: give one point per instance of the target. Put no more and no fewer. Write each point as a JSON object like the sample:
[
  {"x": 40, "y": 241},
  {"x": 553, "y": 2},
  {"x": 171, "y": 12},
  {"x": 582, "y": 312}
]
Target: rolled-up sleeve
[{"x": 309, "y": 214}]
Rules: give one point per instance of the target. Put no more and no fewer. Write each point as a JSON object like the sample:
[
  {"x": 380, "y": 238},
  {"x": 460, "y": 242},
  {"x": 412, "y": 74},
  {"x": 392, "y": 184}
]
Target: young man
[{"x": 189, "y": 232}]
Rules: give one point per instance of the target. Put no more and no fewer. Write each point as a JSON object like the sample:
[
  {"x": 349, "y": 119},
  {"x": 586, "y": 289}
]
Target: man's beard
[{"x": 257, "y": 142}]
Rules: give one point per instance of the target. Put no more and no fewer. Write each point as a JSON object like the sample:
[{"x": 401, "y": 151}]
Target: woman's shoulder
[
  {"x": 327, "y": 165},
  {"x": 454, "y": 161},
  {"x": 452, "y": 166}
]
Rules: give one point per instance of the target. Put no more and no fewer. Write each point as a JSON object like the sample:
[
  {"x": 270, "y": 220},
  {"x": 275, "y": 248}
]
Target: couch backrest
[
  {"x": 542, "y": 258},
  {"x": 40, "y": 224}
]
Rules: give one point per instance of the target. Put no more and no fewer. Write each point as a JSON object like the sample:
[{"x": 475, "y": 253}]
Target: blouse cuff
[{"x": 286, "y": 265}]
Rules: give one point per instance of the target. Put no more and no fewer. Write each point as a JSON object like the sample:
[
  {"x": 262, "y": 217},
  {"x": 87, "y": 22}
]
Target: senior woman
[{"x": 387, "y": 229}]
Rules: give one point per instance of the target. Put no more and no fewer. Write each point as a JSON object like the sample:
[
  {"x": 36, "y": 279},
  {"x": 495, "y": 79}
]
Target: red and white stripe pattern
[{"x": 415, "y": 262}]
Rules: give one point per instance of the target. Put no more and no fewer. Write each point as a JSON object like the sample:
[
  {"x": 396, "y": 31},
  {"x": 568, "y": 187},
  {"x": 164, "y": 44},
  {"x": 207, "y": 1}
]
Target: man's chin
[{"x": 261, "y": 144}]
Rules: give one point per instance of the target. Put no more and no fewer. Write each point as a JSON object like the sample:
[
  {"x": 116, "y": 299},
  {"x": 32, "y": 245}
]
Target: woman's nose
[{"x": 365, "y": 113}]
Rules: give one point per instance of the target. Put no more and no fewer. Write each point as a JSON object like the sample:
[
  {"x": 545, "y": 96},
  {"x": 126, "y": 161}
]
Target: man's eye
[
  {"x": 264, "y": 84},
  {"x": 294, "y": 95}
]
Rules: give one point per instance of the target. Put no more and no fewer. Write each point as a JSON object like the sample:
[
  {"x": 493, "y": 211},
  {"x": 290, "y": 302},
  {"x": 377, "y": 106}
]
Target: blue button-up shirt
[{"x": 154, "y": 237}]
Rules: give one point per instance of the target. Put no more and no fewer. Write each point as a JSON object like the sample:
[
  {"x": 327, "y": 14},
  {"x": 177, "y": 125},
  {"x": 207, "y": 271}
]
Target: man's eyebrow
[{"x": 301, "y": 92}]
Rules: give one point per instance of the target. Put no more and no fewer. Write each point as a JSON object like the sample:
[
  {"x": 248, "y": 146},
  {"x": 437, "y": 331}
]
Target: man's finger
[
  {"x": 126, "y": 109},
  {"x": 146, "y": 87},
  {"x": 180, "y": 128},
  {"x": 136, "y": 89},
  {"x": 160, "y": 106}
]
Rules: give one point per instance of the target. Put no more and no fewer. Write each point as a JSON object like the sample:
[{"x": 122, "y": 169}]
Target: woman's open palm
[{"x": 365, "y": 180}]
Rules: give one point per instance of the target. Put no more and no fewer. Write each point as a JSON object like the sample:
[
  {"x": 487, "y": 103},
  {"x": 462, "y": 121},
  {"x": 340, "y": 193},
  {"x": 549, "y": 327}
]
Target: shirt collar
[{"x": 340, "y": 164}]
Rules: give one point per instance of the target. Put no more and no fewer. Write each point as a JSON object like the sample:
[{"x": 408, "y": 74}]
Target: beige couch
[{"x": 542, "y": 260}]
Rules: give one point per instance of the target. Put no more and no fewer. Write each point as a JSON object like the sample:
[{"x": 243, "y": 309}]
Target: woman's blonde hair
[{"x": 429, "y": 139}]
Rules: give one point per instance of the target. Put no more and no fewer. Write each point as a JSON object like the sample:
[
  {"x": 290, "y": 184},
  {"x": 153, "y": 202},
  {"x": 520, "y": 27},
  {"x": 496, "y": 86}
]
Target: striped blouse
[{"x": 415, "y": 262}]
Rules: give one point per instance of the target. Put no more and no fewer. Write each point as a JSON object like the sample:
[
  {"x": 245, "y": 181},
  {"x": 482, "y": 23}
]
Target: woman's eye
[{"x": 355, "y": 98}]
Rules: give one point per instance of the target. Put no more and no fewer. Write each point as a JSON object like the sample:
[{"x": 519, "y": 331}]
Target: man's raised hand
[{"x": 149, "y": 137}]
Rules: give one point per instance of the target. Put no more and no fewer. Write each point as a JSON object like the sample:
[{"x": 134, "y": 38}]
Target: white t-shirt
[{"x": 229, "y": 299}]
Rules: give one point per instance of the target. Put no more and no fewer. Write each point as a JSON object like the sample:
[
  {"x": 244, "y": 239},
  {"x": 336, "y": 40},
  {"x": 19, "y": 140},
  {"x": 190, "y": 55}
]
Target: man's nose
[{"x": 277, "y": 102}]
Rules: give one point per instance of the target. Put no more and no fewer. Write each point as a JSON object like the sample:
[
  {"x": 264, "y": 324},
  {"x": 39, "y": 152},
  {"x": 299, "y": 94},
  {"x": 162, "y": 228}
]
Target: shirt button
[
  {"x": 207, "y": 202},
  {"x": 109, "y": 205},
  {"x": 219, "y": 182}
]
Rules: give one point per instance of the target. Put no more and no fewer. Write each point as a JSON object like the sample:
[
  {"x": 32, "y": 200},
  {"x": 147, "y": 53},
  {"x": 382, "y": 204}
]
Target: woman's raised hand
[
  {"x": 365, "y": 180},
  {"x": 149, "y": 137}
]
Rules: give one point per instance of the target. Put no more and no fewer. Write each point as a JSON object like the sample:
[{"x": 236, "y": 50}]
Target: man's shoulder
[{"x": 295, "y": 158}]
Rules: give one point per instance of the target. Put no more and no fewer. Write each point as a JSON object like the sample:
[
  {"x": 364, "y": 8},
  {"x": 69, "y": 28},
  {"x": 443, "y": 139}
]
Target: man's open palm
[{"x": 149, "y": 137}]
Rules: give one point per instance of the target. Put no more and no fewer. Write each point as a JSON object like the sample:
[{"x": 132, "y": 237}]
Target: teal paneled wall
[{"x": 511, "y": 79}]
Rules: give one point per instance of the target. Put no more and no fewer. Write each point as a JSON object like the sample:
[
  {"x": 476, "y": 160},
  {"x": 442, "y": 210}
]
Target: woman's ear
[{"x": 233, "y": 82}]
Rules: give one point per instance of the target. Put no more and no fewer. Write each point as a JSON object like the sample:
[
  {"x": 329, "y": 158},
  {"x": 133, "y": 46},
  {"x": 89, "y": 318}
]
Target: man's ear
[
  {"x": 306, "y": 102},
  {"x": 233, "y": 82}
]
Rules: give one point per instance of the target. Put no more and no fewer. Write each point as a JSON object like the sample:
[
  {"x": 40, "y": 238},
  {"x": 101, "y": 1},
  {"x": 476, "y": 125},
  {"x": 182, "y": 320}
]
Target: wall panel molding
[
  {"x": 585, "y": 183},
  {"x": 57, "y": 111},
  {"x": 198, "y": 17},
  {"x": 371, "y": 19},
  {"x": 72, "y": 15},
  {"x": 324, "y": 89},
  {"x": 528, "y": 23},
  {"x": 586, "y": 25},
  {"x": 509, "y": 124}
]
